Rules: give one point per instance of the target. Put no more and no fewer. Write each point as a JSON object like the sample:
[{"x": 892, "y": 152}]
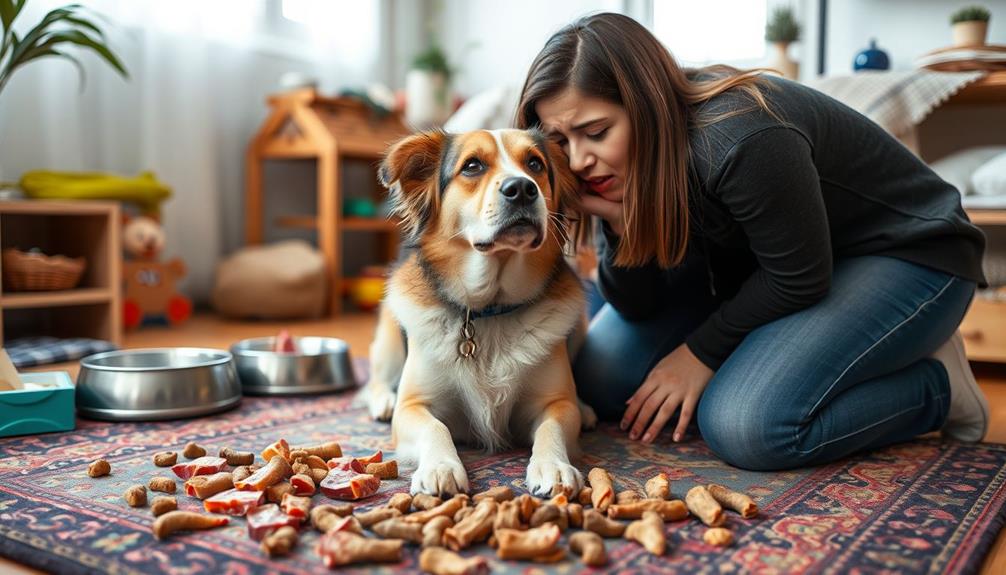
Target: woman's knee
[{"x": 751, "y": 437}]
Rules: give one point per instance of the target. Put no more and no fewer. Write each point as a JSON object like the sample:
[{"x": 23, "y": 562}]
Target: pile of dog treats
[{"x": 276, "y": 500}]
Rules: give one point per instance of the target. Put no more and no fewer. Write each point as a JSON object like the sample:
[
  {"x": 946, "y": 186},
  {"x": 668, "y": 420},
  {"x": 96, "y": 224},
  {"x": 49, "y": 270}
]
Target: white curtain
[{"x": 200, "y": 72}]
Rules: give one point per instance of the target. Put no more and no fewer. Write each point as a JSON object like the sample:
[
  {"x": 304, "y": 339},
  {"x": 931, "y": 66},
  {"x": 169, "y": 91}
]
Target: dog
[{"x": 472, "y": 334}]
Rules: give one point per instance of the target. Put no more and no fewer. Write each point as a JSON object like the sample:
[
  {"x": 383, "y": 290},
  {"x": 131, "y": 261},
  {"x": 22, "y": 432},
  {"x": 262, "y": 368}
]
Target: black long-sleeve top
[{"x": 774, "y": 201}]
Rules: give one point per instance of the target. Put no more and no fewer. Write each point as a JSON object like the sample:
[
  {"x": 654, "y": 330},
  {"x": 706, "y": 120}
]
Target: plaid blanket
[{"x": 32, "y": 351}]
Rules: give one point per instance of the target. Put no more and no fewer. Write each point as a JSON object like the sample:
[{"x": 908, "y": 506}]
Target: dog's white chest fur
[{"x": 476, "y": 396}]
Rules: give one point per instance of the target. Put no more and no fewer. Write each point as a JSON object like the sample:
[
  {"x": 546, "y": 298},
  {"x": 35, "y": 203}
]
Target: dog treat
[
  {"x": 376, "y": 457},
  {"x": 594, "y": 521},
  {"x": 193, "y": 450},
  {"x": 560, "y": 500},
  {"x": 376, "y": 515},
  {"x": 136, "y": 496},
  {"x": 318, "y": 475},
  {"x": 162, "y": 484},
  {"x": 703, "y": 506},
  {"x": 674, "y": 510},
  {"x": 537, "y": 544},
  {"x": 279, "y": 542},
  {"x": 507, "y": 516},
  {"x": 560, "y": 489},
  {"x": 275, "y": 471},
  {"x": 162, "y": 504},
  {"x": 658, "y": 487},
  {"x": 283, "y": 343},
  {"x": 275, "y": 493},
  {"x": 589, "y": 546},
  {"x": 718, "y": 536},
  {"x": 549, "y": 513},
  {"x": 346, "y": 464},
  {"x": 574, "y": 513},
  {"x": 345, "y": 548},
  {"x": 447, "y": 508},
  {"x": 433, "y": 531},
  {"x": 241, "y": 472},
  {"x": 349, "y": 523},
  {"x": 500, "y": 494},
  {"x": 527, "y": 504},
  {"x": 302, "y": 485},
  {"x": 325, "y": 451},
  {"x": 628, "y": 496},
  {"x": 348, "y": 485},
  {"x": 234, "y": 502},
  {"x": 315, "y": 462},
  {"x": 602, "y": 489},
  {"x": 583, "y": 498},
  {"x": 199, "y": 466},
  {"x": 384, "y": 470},
  {"x": 267, "y": 518},
  {"x": 472, "y": 529},
  {"x": 648, "y": 532},
  {"x": 237, "y": 457},
  {"x": 280, "y": 448},
  {"x": 99, "y": 468},
  {"x": 324, "y": 517},
  {"x": 425, "y": 501},
  {"x": 174, "y": 521},
  {"x": 165, "y": 458},
  {"x": 462, "y": 513},
  {"x": 296, "y": 506},
  {"x": 395, "y": 528},
  {"x": 737, "y": 501},
  {"x": 440, "y": 561},
  {"x": 203, "y": 486},
  {"x": 300, "y": 468},
  {"x": 401, "y": 502}
]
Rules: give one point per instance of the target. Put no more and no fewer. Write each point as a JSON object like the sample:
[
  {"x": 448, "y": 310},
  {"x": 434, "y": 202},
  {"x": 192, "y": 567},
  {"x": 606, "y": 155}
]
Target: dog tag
[{"x": 467, "y": 346}]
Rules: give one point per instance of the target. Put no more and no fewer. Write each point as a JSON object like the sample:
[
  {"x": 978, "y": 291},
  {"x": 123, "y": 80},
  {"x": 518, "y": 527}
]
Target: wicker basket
[{"x": 35, "y": 271}]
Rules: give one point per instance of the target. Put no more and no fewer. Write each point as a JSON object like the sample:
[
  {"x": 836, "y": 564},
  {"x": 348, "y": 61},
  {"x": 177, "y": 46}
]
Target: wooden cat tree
[{"x": 304, "y": 125}]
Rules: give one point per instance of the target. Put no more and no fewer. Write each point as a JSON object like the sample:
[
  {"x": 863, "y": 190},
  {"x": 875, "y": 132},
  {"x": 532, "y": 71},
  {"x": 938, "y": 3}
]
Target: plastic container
[{"x": 45, "y": 405}]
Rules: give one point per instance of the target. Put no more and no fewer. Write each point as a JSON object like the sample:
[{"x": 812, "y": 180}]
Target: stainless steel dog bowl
[
  {"x": 320, "y": 365},
  {"x": 158, "y": 383}
]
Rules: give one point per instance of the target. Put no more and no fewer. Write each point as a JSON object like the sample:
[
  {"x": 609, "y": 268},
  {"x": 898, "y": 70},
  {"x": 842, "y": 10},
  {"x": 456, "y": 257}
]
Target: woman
[{"x": 774, "y": 263}]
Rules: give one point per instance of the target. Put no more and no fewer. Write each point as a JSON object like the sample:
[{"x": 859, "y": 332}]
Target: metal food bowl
[
  {"x": 320, "y": 365},
  {"x": 155, "y": 384}
]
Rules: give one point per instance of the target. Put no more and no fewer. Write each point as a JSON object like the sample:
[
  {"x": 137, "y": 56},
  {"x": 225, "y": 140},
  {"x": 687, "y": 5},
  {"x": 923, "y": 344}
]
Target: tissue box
[{"x": 46, "y": 404}]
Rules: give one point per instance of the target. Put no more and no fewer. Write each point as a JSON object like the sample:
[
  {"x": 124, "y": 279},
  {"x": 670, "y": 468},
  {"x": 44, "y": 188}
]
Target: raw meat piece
[
  {"x": 234, "y": 502},
  {"x": 266, "y": 519},
  {"x": 349, "y": 486},
  {"x": 200, "y": 466}
]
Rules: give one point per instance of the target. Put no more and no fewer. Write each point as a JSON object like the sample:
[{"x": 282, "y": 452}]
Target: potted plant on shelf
[
  {"x": 427, "y": 88},
  {"x": 782, "y": 30},
  {"x": 969, "y": 26}
]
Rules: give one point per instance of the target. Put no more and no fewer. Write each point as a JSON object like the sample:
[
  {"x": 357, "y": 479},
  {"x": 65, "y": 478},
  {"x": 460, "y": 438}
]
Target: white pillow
[
  {"x": 990, "y": 178},
  {"x": 958, "y": 167}
]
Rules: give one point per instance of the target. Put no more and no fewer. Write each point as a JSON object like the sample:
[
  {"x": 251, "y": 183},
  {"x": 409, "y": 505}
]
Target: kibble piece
[
  {"x": 718, "y": 536},
  {"x": 280, "y": 542},
  {"x": 237, "y": 458},
  {"x": 165, "y": 458},
  {"x": 99, "y": 468},
  {"x": 162, "y": 484},
  {"x": 193, "y": 451},
  {"x": 136, "y": 496},
  {"x": 162, "y": 504}
]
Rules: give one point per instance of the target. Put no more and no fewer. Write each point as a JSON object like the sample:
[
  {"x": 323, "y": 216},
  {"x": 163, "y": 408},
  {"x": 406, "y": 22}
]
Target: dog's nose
[{"x": 519, "y": 191}]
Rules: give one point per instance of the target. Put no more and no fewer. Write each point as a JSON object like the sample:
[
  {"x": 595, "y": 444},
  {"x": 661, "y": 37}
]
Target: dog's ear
[
  {"x": 410, "y": 171},
  {"x": 567, "y": 191}
]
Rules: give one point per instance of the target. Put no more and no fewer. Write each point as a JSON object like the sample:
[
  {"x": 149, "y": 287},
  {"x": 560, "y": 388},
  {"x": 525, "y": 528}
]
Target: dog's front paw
[
  {"x": 443, "y": 477},
  {"x": 380, "y": 401},
  {"x": 546, "y": 476},
  {"x": 588, "y": 419}
]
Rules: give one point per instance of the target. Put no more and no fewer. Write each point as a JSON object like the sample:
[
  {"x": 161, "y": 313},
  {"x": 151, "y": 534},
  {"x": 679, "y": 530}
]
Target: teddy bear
[{"x": 150, "y": 295}]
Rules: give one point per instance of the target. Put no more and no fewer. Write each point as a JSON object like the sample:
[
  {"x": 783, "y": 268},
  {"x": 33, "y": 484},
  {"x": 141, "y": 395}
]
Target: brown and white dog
[{"x": 486, "y": 303}]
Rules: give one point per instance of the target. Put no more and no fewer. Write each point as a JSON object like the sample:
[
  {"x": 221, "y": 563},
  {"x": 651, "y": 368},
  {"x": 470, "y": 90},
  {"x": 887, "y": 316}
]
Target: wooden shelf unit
[
  {"x": 304, "y": 125},
  {"x": 88, "y": 229}
]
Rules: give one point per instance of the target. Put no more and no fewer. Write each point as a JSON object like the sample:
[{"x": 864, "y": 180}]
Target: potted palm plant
[
  {"x": 782, "y": 30},
  {"x": 969, "y": 26}
]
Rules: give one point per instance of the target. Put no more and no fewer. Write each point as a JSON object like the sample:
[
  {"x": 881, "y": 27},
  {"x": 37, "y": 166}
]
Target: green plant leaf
[{"x": 81, "y": 39}]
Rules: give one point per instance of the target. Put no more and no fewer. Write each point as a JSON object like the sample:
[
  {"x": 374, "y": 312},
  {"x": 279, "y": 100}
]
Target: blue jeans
[{"x": 849, "y": 373}]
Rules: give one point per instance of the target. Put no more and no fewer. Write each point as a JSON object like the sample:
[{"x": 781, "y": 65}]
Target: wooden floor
[{"x": 357, "y": 330}]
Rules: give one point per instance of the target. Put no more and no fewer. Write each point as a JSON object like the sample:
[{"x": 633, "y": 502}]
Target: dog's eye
[
  {"x": 535, "y": 164},
  {"x": 472, "y": 167}
]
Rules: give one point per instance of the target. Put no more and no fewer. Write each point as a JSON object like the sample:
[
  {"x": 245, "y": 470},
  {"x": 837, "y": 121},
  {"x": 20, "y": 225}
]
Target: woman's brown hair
[{"x": 613, "y": 57}]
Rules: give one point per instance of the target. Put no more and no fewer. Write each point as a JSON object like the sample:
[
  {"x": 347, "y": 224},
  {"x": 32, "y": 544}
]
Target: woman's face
[{"x": 595, "y": 134}]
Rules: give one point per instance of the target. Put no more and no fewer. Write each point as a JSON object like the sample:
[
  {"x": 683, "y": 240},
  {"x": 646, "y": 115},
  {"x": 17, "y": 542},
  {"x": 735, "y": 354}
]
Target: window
[{"x": 712, "y": 31}]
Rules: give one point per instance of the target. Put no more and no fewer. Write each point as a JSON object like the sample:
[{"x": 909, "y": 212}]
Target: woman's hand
[
  {"x": 607, "y": 210},
  {"x": 678, "y": 379}
]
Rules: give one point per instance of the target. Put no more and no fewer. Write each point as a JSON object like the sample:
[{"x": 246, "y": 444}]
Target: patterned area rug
[{"x": 916, "y": 507}]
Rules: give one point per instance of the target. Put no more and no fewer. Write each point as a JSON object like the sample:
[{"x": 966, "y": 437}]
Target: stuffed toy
[{"x": 150, "y": 295}]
